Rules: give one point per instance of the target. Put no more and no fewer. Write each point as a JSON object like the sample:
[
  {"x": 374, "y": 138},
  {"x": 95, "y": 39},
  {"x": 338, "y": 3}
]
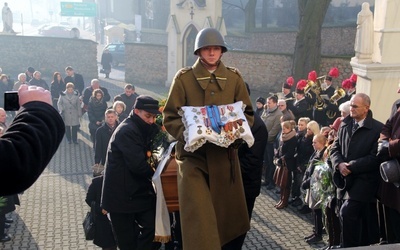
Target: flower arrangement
[
  {"x": 321, "y": 185},
  {"x": 160, "y": 141}
]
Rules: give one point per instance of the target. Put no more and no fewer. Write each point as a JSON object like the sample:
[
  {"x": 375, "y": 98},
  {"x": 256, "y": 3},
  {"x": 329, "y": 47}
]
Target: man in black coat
[
  {"x": 128, "y": 193},
  {"x": 356, "y": 165},
  {"x": 75, "y": 78},
  {"x": 103, "y": 135},
  {"x": 87, "y": 93},
  {"x": 128, "y": 97},
  {"x": 30, "y": 141},
  {"x": 251, "y": 164}
]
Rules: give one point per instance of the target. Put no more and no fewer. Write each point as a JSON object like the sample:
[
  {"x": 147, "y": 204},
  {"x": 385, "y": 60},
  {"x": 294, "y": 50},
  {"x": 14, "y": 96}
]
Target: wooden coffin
[{"x": 169, "y": 183}]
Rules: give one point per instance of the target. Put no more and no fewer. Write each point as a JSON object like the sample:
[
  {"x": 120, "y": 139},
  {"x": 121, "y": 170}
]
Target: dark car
[{"x": 117, "y": 50}]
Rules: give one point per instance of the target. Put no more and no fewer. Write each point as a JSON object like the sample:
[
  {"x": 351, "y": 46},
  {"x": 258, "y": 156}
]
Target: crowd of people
[
  {"x": 326, "y": 125},
  {"x": 323, "y": 136}
]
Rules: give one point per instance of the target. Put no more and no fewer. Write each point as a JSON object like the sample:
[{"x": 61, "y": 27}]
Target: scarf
[{"x": 288, "y": 136}]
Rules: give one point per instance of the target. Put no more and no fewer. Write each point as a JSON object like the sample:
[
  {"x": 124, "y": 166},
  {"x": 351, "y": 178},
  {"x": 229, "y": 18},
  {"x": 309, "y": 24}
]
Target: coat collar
[
  {"x": 349, "y": 121},
  {"x": 204, "y": 77}
]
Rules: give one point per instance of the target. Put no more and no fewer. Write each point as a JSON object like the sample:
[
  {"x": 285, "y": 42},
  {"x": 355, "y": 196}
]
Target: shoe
[
  {"x": 281, "y": 206},
  {"x": 69, "y": 142},
  {"x": 75, "y": 142},
  {"x": 5, "y": 238},
  {"x": 9, "y": 220},
  {"x": 305, "y": 210},
  {"x": 7, "y": 225},
  {"x": 270, "y": 186},
  {"x": 277, "y": 204},
  {"x": 278, "y": 191},
  {"x": 296, "y": 202},
  {"x": 314, "y": 239},
  {"x": 309, "y": 236}
]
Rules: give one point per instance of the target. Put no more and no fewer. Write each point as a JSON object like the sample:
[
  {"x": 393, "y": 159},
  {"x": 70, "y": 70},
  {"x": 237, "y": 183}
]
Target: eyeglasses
[{"x": 281, "y": 105}]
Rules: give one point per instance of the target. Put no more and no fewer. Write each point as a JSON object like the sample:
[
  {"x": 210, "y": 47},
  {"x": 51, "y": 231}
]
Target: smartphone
[{"x": 11, "y": 101}]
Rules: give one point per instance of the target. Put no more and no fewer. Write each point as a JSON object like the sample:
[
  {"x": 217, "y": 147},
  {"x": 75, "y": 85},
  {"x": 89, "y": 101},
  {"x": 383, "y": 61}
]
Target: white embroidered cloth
[
  {"x": 163, "y": 225},
  {"x": 198, "y": 128}
]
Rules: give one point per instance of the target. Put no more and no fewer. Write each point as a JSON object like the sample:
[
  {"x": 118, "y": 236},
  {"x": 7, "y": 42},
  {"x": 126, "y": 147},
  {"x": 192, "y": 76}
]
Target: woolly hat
[
  {"x": 147, "y": 103},
  {"x": 312, "y": 76},
  {"x": 300, "y": 86},
  {"x": 333, "y": 73},
  {"x": 31, "y": 70},
  {"x": 260, "y": 99},
  {"x": 289, "y": 83}
]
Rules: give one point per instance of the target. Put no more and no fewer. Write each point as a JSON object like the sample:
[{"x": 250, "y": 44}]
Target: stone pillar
[{"x": 380, "y": 77}]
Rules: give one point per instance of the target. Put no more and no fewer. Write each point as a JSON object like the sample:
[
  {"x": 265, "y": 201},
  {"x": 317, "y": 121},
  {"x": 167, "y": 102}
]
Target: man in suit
[
  {"x": 356, "y": 165},
  {"x": 75, "y": 78}
]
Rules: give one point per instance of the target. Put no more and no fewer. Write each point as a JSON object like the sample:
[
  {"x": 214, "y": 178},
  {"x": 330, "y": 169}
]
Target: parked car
[
  {"x": 59, "y": 31},
  {"x": 117, "y": 50}
]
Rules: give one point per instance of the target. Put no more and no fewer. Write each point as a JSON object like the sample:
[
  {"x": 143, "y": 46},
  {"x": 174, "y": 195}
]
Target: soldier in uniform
[
  {"x": 211, "y": 199},
  {"x": 301, "y": 105},
  {"x": 326, "y": 112},
  {"x": 287, "y": 92},
  {"x": 350, "y": 86}
]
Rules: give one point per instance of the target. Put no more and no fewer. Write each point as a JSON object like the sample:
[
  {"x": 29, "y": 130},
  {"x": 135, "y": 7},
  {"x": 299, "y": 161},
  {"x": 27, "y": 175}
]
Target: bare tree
[
  {"x": 249, "y": 13},
  {"x": 307, "y": 53}
]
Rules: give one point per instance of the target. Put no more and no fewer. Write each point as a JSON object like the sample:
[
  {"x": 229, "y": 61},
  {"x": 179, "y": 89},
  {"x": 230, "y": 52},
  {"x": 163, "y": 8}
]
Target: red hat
[
  {"x": 289, "y": 83},
  {"x": 300, "y": 86},
  {"x": 312, "y": 76},
  {"x": 347, "y": 84},
  {"x": 336, "y": 124},
  {"x": 333, "y": 73},
  {"x": 353, "y": 78}
]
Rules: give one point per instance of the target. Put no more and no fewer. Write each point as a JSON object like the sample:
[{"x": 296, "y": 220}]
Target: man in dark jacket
[
  {"x": 353, "y": 155},
  {"x": 87, "y": 93},
  {"x": 128, "y": 194},
  {"x": 30, "y": 141},
  {"x": 251, "y": 164},
  {"x": 75, "y": 78},
  {"x": 128, "y": 97},
  {"x": 103, "y": 135}
]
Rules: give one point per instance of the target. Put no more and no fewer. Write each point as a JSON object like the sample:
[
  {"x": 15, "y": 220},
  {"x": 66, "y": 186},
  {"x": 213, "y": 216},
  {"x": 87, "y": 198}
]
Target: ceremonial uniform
[{"x": 211, "y": 197}]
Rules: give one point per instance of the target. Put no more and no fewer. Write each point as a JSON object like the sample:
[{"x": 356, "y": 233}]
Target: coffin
[{"x": 169, "y": 183}]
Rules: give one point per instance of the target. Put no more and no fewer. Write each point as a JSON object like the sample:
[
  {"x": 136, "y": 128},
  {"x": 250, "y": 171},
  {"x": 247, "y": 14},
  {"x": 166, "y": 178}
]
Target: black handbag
[{"x": 88, "y": 223}]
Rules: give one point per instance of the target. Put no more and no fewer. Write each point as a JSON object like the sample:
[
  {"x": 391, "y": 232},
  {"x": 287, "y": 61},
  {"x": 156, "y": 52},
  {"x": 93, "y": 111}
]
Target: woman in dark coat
[
  {"x": 285, "y": 155},
  {"x": 57, "y": 86},
  {"x": 106, "y": 59},
  {"x": 319, "y": 144},
  {"x": 103, "y": 234},
  {"x": 96, "y": 108}
]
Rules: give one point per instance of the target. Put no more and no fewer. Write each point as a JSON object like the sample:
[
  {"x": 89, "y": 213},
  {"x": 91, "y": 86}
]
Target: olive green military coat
[{"x": 212, "y": 203}]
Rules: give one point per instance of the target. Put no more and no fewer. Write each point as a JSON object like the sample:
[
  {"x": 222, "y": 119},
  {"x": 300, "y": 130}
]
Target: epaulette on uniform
[
  {"x": 182, "y": 71},
  {"x": 234, "y": 70}
]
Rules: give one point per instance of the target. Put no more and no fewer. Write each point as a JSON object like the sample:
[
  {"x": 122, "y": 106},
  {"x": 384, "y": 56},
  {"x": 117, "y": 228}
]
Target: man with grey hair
[
  {"x": 354, "y": 158},
  {"x": 287, "y": 114},
  {"x": 87, "y": 93},
  {"x": 38, "y": 81},
  {"x": 21, "y": 80}
]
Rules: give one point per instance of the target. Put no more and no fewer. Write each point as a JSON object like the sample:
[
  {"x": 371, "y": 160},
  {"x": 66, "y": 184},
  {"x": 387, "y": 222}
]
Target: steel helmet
[{"x": 209, "y": 37}]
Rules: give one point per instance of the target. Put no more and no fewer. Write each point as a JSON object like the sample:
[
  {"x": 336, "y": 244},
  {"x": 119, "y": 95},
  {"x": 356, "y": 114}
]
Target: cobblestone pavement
[{"x": 52, "y": 210}]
